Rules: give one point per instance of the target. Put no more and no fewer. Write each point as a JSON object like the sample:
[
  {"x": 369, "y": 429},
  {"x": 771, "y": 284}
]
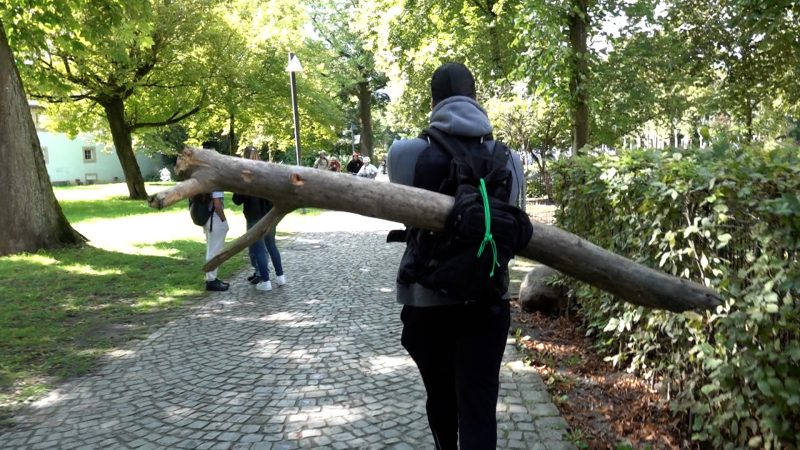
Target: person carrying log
[{"x": 456, "y": 313}]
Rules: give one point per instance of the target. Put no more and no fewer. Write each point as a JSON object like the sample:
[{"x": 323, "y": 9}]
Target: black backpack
[
  {"x": 469, "y": 259},
  {"x": 201, "y": 207}
]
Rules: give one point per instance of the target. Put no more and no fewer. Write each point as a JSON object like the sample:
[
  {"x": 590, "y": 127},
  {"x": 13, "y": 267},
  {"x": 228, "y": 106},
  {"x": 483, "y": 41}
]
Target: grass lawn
[{"x": 62, "y": 309}]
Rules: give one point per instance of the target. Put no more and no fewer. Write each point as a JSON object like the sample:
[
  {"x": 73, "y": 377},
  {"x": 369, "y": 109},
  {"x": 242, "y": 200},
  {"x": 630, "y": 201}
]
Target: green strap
[{"x": 487, "y": 237}]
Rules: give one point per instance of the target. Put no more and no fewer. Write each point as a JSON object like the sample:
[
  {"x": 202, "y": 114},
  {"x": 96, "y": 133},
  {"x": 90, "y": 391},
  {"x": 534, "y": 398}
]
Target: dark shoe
[
  {"x": 224, "y": 283},
  {"x": 255, "y": 280},
  {"x": 251, "y": 277},
  {"x": 216, "y": 285}
]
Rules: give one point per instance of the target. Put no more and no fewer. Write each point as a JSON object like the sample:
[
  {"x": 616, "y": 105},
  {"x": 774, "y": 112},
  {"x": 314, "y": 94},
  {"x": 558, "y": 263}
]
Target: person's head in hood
[{"x": 451, "y": 79}]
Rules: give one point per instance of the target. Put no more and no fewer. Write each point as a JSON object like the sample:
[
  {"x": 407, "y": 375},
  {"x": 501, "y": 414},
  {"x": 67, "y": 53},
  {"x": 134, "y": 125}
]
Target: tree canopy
[{"x": 620, "y": 71}]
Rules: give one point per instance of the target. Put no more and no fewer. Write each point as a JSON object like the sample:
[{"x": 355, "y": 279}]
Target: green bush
[{"x": 726, "y": 217}]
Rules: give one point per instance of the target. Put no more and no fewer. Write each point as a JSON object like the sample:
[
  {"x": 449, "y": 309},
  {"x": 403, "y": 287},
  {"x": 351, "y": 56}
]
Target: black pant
[{"x": 458, "y": 350}]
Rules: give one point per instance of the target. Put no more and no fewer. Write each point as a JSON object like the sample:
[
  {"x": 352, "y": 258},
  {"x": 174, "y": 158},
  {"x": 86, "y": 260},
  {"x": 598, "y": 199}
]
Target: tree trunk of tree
[
  {"x": 748, "y": 120},
  {"x": 365, "y": 113},
  {"x": 232, "y": 144},
  {"x": 31, "y": 217},
  {"x": 494, "y": 31},
  {"x": 579, "y": 81},
  {"x": 292, "y": 187},
  {"x": 121, "y": 133},
  {"x": 548, "y": 185}
]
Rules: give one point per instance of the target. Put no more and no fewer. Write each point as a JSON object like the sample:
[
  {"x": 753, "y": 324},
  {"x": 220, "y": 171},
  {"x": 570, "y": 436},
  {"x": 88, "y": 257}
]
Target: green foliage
[
  {"x": 248, "y": 92},
  {"x": 423, "y": 34},
  {"x": 152, "y": 55},
  {"x": 727, "y": 217}
]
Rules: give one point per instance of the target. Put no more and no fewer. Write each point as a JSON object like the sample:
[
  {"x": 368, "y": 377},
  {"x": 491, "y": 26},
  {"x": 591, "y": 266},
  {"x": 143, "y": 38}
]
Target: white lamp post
[{"x": 294, "y": 66}]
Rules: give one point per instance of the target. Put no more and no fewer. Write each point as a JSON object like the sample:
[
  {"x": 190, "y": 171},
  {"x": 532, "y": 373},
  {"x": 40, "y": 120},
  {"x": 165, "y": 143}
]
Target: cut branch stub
[{"x": 291, "y": 187}]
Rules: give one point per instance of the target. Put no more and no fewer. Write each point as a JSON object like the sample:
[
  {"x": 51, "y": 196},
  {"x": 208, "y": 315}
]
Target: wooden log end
[
  {"x": 154, "y": 201},
  {"x": 696, "y": 298}
]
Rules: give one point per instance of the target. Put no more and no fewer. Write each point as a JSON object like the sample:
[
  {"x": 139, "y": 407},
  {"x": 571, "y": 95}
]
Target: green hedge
[{"x": 728, "y": 217}]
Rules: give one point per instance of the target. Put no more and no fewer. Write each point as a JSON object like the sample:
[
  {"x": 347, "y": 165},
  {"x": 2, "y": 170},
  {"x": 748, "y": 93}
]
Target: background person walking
[
  {"x": 367, "y": 170},
  {"x": 355, "y": 164},
  {"x": 254, "y": 210},
  {"x": 215, "y": 229}
]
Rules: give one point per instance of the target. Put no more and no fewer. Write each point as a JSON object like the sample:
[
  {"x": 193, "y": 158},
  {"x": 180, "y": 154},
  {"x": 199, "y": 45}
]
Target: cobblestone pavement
[{"x": 316, "y": 363}]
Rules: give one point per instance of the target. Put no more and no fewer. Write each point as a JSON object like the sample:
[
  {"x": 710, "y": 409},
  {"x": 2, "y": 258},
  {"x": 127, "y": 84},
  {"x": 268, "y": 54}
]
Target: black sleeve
[{"x": 238, "y": 199}]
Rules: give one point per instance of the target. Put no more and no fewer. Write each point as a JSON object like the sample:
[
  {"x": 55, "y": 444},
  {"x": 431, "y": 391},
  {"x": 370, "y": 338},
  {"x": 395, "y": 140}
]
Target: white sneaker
[
  {"x": 280, "y": 280},
  {"x": 264, "y": 286}
]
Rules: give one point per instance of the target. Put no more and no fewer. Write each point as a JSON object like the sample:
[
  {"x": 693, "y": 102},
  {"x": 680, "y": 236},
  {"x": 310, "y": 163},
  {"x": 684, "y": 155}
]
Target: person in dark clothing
[
  {"x": 355, "y": 164},
  {"x": 254, "y": 210},
  {"x": 457, "y": 345}
]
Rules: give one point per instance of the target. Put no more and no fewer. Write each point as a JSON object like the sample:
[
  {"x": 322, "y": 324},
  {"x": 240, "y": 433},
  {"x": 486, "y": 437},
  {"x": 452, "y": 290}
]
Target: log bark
[{"x": 292, "y": 187}]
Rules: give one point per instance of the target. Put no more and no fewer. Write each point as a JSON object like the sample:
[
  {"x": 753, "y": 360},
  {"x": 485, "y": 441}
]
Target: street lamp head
[{"x": 294, "y": 64}]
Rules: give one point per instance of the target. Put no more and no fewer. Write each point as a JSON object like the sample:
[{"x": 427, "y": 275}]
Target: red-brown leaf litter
[{"x": 605, "y": 407}]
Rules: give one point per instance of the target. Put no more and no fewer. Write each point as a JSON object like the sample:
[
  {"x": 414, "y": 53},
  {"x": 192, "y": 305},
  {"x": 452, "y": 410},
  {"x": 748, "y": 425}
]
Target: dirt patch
[{"x": 606, "y": 408}]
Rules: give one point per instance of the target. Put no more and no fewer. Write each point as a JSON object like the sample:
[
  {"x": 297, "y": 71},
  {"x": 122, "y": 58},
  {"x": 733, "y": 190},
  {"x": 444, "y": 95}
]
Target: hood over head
[{"x": 460, "y": 116}]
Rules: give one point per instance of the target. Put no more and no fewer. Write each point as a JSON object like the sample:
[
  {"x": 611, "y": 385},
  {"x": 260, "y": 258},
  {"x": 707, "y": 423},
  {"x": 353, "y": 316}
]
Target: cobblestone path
[{"x": 313, "y": 364}]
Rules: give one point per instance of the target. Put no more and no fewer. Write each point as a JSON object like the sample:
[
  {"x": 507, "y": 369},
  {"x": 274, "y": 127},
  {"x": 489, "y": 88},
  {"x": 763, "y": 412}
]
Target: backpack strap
[
  {"x": 471, "y": 166},
  {"x": 468, "y": 164},
  {"x": 211, "y": 217}
]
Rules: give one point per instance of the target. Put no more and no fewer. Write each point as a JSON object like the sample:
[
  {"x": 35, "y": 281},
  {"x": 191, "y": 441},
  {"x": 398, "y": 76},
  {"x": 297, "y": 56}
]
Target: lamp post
[{"x": 294, "y": 66}]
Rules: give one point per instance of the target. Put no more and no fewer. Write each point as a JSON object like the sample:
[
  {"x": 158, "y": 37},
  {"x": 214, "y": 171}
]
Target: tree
[
  {"x": 532, "y": 125},
  {"x": 136, "y": 64},
  {"x": 248, "y": 100},
  {"x": 751, "y": 52},
  {"x": 422, "y": 35},
  {"x": 32, "y": 218},
  {"x": 352, "y": 66},
  {"x": 579, "y": 84}
]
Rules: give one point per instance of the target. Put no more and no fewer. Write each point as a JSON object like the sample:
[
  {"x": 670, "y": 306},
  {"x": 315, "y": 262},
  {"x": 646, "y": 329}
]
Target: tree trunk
[
  {"x": 365, "y": 114},
  {"x": 494, "y": 35},
  {"x": 548, "y": 185},
  {"x": 232, "y": 144},
  {"x": 579, "y": 81},
  {"x": 31, "y": 217},
  {"x": 748, "y": 120},
  {"x": 291, "y": 187},
  {"x": 121, "y": 133}
]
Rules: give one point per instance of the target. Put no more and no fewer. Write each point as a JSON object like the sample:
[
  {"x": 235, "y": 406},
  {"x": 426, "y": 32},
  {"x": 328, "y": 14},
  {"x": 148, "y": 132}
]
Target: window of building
[{"x": 89, "y": 155}]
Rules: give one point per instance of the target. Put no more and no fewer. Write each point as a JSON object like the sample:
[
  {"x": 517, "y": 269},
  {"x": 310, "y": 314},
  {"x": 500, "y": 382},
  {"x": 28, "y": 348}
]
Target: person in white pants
[{"x": 216, "y": 229}]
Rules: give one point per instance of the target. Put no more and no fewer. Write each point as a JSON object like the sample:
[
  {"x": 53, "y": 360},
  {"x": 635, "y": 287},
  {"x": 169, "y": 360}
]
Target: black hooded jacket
[{"x": 254, "y": 208}]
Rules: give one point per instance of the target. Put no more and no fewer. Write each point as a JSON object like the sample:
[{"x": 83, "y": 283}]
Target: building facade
[{"x": 84, "y": 160}]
